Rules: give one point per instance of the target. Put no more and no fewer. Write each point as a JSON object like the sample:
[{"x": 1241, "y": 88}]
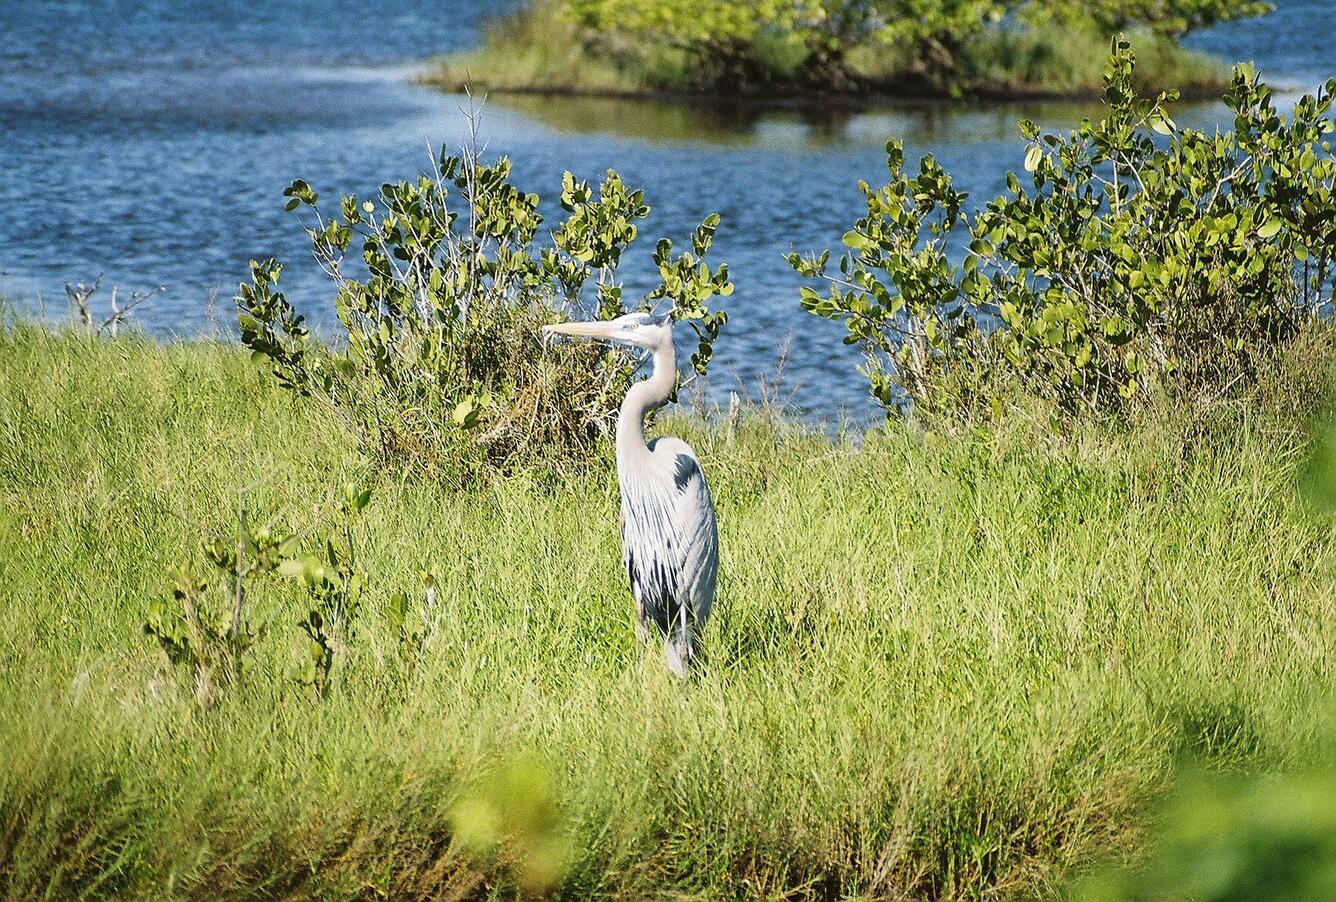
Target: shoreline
[{"x": 888, "y": 95}]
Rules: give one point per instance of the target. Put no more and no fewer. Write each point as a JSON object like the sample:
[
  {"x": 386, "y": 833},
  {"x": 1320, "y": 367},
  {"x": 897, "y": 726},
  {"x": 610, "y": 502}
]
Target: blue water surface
[{"x": 150, "y": 141}]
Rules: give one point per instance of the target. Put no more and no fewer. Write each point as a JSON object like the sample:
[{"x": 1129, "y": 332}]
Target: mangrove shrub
[
  {"x": 442, "y": 286},
  {"x": 1133, "y": 256}
]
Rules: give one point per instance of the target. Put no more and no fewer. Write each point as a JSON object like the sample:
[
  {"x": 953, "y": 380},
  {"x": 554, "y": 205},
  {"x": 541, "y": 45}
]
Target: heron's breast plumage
[{"x": 669, "y": 535}]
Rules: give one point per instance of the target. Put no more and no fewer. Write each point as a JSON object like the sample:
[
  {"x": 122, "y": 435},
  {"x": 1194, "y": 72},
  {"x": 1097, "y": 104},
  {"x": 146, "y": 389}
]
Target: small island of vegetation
[{"x": 849, "y": 49}]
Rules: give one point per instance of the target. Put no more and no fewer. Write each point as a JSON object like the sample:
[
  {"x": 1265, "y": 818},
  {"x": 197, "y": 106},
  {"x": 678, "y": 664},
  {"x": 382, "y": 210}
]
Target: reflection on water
[
  {"x": 157, "y": 153},
  {"x": 650, "y": 120},
  {"x": 780, "y": 126}
]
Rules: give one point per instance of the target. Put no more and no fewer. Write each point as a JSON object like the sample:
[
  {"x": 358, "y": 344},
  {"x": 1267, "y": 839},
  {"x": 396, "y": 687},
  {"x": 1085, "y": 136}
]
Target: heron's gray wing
[{"x": 669, "y": 536}]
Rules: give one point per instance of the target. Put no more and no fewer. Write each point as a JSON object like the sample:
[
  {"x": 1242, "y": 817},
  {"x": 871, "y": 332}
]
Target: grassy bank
[
  {"x": 948, "y": 667},
  {"x": 537, "y": 50}
]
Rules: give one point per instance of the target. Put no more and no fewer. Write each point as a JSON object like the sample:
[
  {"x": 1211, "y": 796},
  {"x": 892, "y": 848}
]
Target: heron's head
[{"x": 643, "y": 330}]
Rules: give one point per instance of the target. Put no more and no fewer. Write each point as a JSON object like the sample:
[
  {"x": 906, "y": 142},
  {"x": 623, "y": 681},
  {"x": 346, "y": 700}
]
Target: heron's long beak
[{"x": 595, "y": 329}]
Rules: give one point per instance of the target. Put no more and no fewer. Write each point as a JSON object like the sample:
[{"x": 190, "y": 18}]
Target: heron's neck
[{"x": 646, "y": 395}]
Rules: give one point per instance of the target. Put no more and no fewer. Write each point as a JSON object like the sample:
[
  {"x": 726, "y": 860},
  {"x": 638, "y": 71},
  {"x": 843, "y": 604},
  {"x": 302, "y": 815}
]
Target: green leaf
[
  {"x": 856, "y": 240},
  {"x": 465, "y": 413}
]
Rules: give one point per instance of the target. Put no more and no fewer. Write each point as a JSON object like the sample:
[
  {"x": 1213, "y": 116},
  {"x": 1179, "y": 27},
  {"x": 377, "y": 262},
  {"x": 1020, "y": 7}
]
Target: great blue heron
[{"x": 670, "y": 543}]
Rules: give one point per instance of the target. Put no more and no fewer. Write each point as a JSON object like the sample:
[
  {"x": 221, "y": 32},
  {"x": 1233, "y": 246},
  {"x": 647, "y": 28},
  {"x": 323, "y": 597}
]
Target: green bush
[
  {"x": 205, "y": 632},
  {"x": 442, "y": 312},
  {"x": 809, "y": 42},
  {"x": 1171, "y": 18},
  {"x": 750, "y": 45},
  {"x": 1143, "y": 259}
]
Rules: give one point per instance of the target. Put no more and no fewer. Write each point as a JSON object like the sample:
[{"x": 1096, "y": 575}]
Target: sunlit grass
[
  {"x": 534, "y": 49},
  {"x": 947, "y": 666}
]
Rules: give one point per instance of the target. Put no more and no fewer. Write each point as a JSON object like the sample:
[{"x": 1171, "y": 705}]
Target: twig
[{"x": 79, "y": 295}]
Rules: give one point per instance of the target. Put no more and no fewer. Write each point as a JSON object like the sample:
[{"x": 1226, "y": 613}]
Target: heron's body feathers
[{"x": 670, "y": 543}]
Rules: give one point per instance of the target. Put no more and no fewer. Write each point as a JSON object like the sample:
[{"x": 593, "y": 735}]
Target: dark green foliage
[
  {"x": 897, "y": 291},
  {"x": 688, "y": 283},
  {"x": 1141, "y": 258},
  {"x": 270, "y": 326},
  {"x": 443, "y": 302}
]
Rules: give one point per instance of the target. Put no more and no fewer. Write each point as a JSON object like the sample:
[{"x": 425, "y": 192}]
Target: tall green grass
[
  {"x": 950, "y": 665},
  {"x": 538, "y": 49}
]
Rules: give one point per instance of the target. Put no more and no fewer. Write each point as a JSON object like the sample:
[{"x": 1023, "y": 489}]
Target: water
[{"x": 150, "y": 141}]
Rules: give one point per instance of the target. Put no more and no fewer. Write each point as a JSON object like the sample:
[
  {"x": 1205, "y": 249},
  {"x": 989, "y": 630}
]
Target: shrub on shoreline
[
  {"x": 444, "y": 366},
  {"x": 1143, "y": 258}
]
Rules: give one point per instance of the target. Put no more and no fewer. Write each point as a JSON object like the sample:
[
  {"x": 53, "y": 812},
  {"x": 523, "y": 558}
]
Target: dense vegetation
[
  {"x": 332, "y": 621},
  {"x": 442, "y": 286},
  {"x": 943, "y": 666},
  {"x": 849, "y": 47},
  {"x": 1142, "y": 259}
]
